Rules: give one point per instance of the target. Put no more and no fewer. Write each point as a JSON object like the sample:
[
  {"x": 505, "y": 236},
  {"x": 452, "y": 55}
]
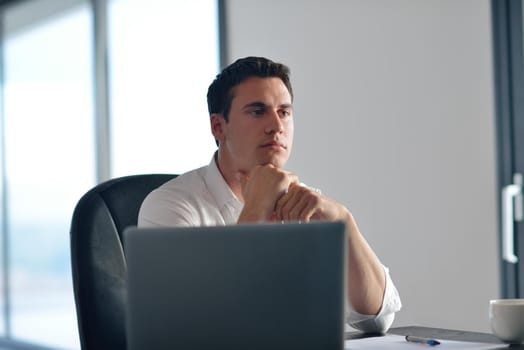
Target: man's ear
[{"x": 217, "y": 126}]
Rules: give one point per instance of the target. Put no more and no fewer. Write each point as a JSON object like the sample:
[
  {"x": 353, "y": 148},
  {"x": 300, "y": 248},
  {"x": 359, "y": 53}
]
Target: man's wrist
[{"x": 250, "y": 214}]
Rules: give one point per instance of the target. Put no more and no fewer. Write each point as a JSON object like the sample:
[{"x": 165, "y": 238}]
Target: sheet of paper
[{"x": 391, "y": 341}]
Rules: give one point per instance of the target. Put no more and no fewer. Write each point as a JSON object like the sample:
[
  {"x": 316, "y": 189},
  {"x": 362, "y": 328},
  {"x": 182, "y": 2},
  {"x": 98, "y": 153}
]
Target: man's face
[{"x": 260, "y": 126}]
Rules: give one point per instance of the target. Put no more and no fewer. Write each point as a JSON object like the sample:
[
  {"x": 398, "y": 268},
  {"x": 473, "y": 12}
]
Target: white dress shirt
[{"x": 203, "y": 198}]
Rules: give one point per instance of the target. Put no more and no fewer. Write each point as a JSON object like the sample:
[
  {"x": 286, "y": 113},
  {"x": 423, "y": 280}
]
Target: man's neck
[{"x": 228, "y": 172}]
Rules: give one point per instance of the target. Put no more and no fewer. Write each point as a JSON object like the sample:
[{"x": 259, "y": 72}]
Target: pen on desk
[{"x": 421, "y": 340}]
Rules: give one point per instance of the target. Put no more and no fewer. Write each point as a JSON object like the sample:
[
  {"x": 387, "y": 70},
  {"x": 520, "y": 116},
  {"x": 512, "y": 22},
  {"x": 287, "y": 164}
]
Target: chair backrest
[{"x": 97, "y": 257}]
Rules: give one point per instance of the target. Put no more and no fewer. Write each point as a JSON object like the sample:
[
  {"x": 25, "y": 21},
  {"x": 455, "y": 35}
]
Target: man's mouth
[{"x": 274, "y": 144}]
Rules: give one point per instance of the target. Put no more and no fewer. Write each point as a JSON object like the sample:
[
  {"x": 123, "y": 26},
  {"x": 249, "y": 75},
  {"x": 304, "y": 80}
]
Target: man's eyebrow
[{"x": 257, "y": 104}]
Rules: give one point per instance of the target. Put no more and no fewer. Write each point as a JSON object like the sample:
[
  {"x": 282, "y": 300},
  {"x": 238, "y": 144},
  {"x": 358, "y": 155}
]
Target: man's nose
[{"x": 275, "y": 123}]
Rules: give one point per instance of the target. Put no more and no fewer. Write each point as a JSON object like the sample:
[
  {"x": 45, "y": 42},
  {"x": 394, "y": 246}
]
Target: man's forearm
[{"x": 366, "y": 276}]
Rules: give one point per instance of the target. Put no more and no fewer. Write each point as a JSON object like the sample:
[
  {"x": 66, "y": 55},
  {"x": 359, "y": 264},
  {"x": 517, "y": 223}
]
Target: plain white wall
[{"x": 394, "y": 117}]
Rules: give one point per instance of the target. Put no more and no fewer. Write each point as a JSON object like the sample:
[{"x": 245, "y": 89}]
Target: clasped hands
[{"x": 274, "y": 194}]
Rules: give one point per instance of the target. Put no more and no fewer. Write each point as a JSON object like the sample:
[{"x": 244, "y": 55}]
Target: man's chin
[{"x": 277, "y": 163}]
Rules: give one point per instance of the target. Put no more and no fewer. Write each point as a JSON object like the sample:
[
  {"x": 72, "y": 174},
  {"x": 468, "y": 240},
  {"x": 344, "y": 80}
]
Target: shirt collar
[{"x": 219, "y": 188}]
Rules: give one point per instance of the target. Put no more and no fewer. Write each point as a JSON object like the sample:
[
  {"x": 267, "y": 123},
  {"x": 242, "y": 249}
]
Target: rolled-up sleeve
[{"x": 380, "y": 322}]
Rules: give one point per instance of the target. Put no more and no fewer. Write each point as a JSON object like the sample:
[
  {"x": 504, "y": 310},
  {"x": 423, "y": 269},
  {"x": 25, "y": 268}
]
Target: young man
[{"x": 251, "y": 112}]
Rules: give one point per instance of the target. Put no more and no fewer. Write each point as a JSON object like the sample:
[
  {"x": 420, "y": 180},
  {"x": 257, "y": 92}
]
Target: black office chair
[{"x": 97, "y": 257}]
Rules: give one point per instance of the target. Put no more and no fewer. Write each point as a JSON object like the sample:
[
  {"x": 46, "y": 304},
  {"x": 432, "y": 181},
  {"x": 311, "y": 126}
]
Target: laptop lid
[{"x": 248, "y": 286}]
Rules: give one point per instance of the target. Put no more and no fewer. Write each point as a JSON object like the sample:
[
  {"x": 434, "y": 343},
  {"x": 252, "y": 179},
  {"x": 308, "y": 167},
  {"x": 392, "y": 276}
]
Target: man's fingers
[
  {"x": 286, "y": 202},
  {"x": 263, "y": 186},
  {"x": 298, "y": 212},
  {"x": 308, "y": 205},
  {"x": 299, "y": 204}
]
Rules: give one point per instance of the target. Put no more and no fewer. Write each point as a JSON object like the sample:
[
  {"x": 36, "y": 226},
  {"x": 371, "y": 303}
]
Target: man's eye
[
  {"x": 285, "y": 113},
  {"x": 257, "y": 112}
]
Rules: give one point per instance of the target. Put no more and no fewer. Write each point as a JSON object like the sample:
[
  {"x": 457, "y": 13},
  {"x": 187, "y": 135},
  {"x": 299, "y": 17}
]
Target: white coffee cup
[{"x": 506, "y": 317}]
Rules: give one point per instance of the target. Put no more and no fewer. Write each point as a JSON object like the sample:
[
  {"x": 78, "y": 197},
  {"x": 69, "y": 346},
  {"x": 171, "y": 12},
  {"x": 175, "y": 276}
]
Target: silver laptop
[{"x": 249, "y": 286}]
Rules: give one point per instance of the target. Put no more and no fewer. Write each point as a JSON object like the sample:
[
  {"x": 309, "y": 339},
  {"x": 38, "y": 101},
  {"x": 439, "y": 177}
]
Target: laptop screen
[{"x": 248, "y": 286}]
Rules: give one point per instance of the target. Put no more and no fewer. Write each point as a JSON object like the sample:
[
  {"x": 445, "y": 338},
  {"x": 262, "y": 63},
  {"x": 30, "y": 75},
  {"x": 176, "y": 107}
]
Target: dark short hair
[{"x": 220, "y": 92}]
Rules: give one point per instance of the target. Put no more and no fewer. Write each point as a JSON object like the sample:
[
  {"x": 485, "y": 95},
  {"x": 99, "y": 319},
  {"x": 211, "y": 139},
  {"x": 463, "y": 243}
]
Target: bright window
[
  {"x": 49, "y": 149},
  {"x": 163, "y": 56}
]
